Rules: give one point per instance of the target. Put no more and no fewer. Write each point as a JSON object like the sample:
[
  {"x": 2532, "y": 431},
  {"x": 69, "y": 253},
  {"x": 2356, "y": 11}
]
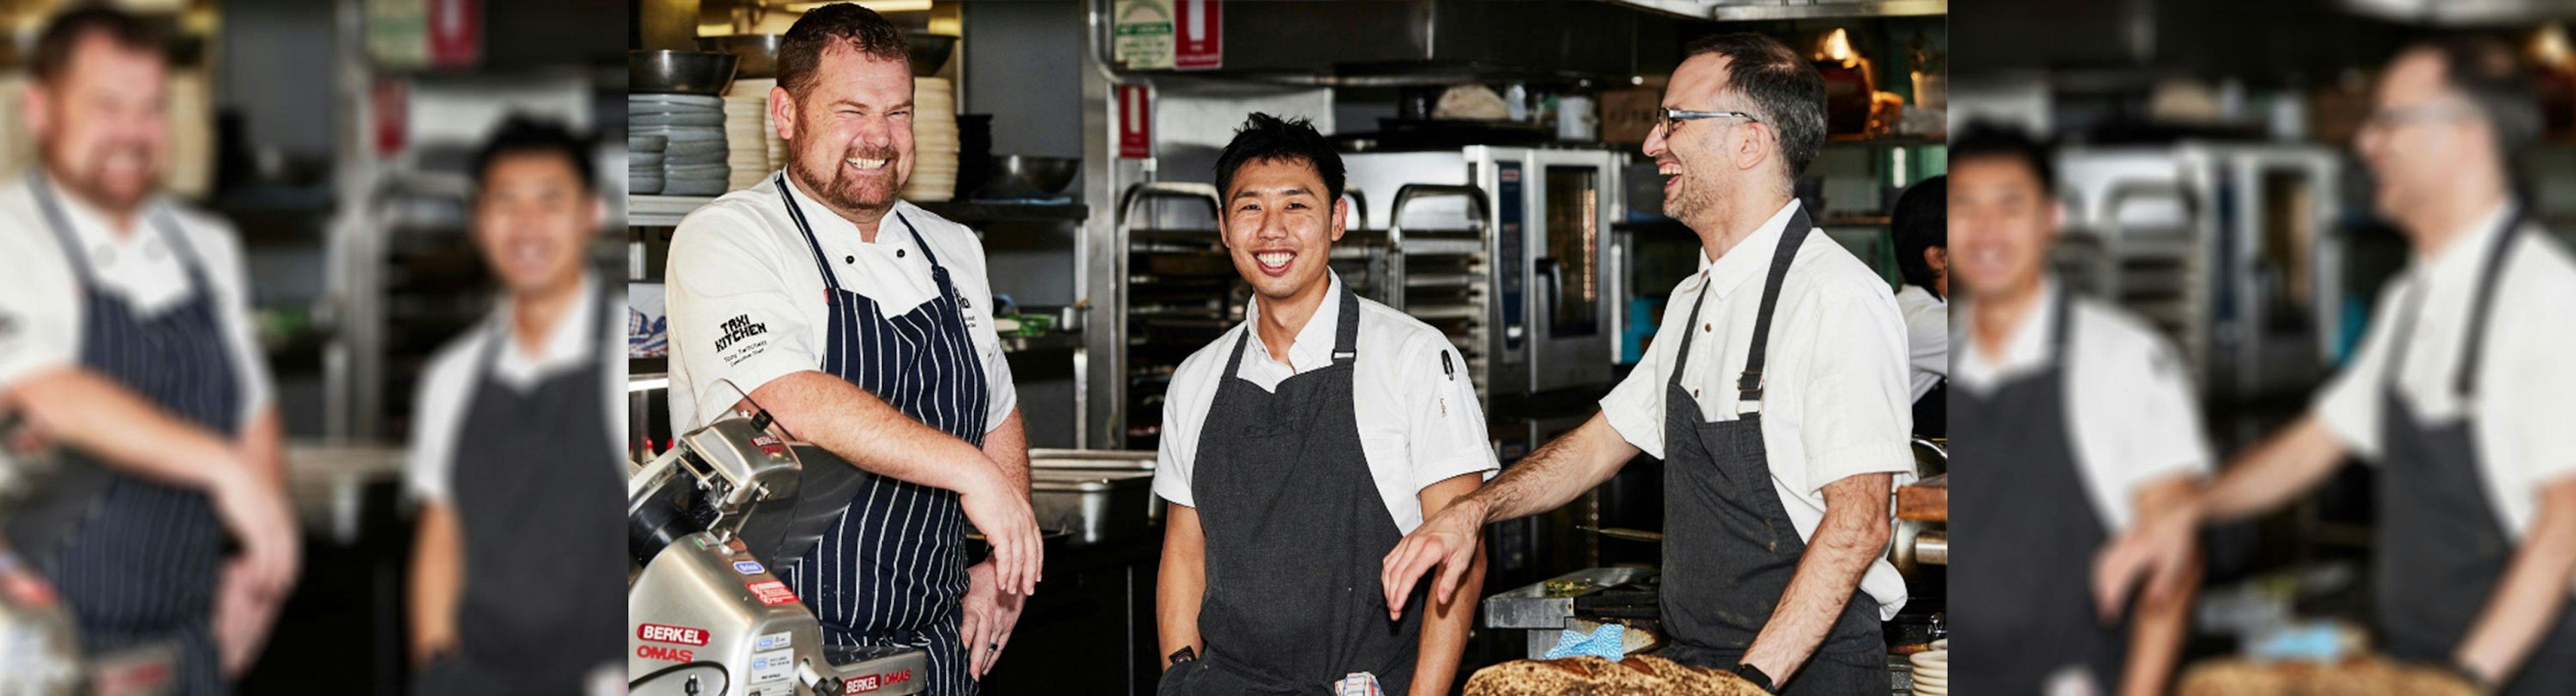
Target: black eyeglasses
[{"x": 1665, "y": 118}]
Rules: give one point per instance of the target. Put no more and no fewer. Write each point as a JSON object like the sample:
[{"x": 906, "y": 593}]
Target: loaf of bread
[
  {"x": 1638, "y": 675},
  {"x": 2364, "y": 676}
]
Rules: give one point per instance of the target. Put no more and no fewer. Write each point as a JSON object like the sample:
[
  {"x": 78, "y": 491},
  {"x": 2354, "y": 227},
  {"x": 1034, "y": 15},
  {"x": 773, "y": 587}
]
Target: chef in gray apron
[
  {"x": 124, "y": 336},
  {"x": 1297, "y": 450},
  {"x": 2072, "y": 416},
  {"x": 1775, "y": 393},
  {"x": 2460, "y": 393},
  {"x": 518, "y": 570},
  {"x": 864, "y": 324}
]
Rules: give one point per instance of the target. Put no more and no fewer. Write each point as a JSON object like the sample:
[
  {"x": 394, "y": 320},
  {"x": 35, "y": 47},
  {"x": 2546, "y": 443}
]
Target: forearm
[
  {"x": 2156, "y": 633},
  {"x": 1179, "y": 585},
  {"x": 2280, "y": 470},
  {"x": 1444, "y": 634},
  {"x": 263, "y": 447},
  {"x": 1852, "y": 534},
  {"x": 1008, "y": 446},
  {"x": 1555, "y": 474},
  {"x": 113, "y": 424},
  {"x": 437, "y": 580},
  {"x": 2532, "y": 595},
  {"x": 853, "y": 424}
]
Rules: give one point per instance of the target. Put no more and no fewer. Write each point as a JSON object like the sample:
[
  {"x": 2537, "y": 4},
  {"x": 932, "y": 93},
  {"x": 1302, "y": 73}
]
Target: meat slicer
[
  {"x": 39, "y": 652},
  {"x": 705, "y": 615}
]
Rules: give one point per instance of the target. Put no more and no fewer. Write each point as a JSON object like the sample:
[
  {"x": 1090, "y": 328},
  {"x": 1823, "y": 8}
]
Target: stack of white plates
[
  {"x": 644, "y": 155},
  {"x": 694, "y": 163},
  {"x": 1931, "y": 673},
  {"x": 746, "y": 113},
  {"x": 934, "y": 141}
]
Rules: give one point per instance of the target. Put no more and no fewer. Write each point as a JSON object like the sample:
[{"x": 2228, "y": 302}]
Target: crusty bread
[
  {"x": 1638, "y": 675},
  {"x": 2363, "y": 676}
]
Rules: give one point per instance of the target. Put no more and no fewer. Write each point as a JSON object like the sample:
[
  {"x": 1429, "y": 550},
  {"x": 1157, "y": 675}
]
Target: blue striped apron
[
  {"x": 138, "y": 564},
  {"x": 890, "y": 571}
]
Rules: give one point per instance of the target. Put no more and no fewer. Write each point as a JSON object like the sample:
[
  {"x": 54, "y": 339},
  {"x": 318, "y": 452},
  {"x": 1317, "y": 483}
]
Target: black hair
[
  {"x": 1982, "y": 139},
  {"x": 1267, "y": 138},
  {"x": 2499, "y": 86},
  {"x": 859, "y": 28},
  {"x": 1785, "y": 90},
  {"x": 124, "y": 30},
  {"x": 524, "y": 135},
  {"x": 1922, "y": 221}
]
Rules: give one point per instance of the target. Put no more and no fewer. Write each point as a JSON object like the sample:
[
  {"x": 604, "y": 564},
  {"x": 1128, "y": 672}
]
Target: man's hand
[
  {"x": 990, "y": 614},
  {"x": 2158, "y": 549},
  {"x": 255, "y": 511},
  {"x": 1448, "y": 540},
  {"x": 243, "y": 616},
  {"x": 997, "y": 507}
]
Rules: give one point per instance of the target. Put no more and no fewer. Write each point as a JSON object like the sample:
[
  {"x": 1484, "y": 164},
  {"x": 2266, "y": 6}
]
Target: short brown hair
[
  {"x": 2499, "y": 85},
  {"x": 859, "y": 28},
  {"x": 1786, "y": 91},
  {"x": 126, "y": 31}
]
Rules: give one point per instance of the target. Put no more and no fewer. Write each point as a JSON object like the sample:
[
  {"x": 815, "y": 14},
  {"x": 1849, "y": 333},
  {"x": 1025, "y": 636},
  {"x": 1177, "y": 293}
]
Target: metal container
[
  {"x": 679, "y": 72},
  {"x": 929, "y": 52},
  {"x": 1098, "y": 495},
  {"x": 1024, "y": 176},
  {"x": 758, "y": 53}
]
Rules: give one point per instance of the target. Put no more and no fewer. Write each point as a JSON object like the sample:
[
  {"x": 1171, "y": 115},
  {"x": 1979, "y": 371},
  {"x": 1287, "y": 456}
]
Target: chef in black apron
[
  {"x": 1922, "y": 259},
  {"x": 1778, "y": 401},
  {"x": 2072, "y": 416},
  {"x": 2457, "y": 394},
  {"x": 517, "y": 573},
  {"x": 1296, "y": 450},
  {"x": 127, "y": 311},
  {"x": 864, "y": 325}
]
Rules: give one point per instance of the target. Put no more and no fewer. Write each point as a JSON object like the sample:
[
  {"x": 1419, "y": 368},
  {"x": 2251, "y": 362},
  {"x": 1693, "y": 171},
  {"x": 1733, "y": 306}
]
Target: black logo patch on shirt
[
  {"x": 738, "y": 328},
  {"x": 1448, "y": 368}
]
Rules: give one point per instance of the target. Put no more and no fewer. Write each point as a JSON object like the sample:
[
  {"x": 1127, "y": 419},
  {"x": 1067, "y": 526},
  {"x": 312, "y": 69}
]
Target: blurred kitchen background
[
  {"x": 335, "y": 135},
  {"x": 1085, "y": 159},
  {"x": 2210, "y": 186}
]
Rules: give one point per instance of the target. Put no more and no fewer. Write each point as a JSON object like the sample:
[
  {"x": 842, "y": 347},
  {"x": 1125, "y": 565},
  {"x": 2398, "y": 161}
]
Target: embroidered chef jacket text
[
  {"x": 1835, "y": 400},
  {"x": 1419, "y": 423},
  {"x": 40, "y": 307},
  {"x": 2526, "y": 396},
  {"x": 447, "y": 385},
  {"x": 2132, "y": 413},
  {"x": 746, "y": 305}
]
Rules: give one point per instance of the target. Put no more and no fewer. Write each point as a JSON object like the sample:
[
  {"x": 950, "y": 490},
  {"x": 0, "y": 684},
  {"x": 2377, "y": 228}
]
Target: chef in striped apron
[
  {"x": 515, "y": 445},
  {"x": 2460, "y": 393},
  {"x": 125, "y": 335},
  {"x": 864, "y": 325}
]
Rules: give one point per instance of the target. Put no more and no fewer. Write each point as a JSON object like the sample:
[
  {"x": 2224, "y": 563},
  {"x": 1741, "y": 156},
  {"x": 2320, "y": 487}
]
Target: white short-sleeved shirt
[
  {"x": 2131, "y": 413},
  {"x": 1418, "y": 417},
  {"x": 1927, "y": 338},
  {"x": 40, "y": 300},
  {"x": 2526, "y": 395},
  {"x": 741, "y": 262},
  {"x": 1835, "y": 398},
  {"x": 455, "y": 373}
]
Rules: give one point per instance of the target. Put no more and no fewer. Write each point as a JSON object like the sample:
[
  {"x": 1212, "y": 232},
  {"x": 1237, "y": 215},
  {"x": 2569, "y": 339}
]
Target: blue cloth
[{"x": 1606, "y": 643}]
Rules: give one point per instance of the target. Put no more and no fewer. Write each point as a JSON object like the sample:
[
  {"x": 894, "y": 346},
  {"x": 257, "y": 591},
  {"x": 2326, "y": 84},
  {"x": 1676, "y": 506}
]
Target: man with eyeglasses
[
  {"x": 2461, "y": 393},
  {"x": 1775, "y": 392}
]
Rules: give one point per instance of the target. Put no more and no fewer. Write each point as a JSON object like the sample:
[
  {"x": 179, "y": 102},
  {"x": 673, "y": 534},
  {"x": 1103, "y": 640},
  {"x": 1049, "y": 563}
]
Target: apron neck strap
[
  {"x": 1346, "y": 333},
  {"x": 2061, "y": 329},
  {"x": 79, "y": 255},
  {"x": 823, "y": 263},
  {"x": 503, "y": 327},
  {"x": 1748, "y": 385},
  {"x": 2465, "y": 379}
]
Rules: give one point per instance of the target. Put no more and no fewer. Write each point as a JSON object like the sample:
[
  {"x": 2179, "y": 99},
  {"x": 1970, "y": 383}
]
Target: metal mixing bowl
[
  {"x": 678, "y": 72},
  {"x": 929, "y": 52},
  {"x": 1023, "y": 176},
  {"x": 759, "y": 53}
]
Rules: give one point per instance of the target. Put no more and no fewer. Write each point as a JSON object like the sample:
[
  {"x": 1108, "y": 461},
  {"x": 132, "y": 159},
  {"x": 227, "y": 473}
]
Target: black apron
[
  {"x": 135, "y": 559},
  {"x": 890, "y": 571},
  {"x": 2028, "y": 612},
  {"x": 1729, "y": 545},
  {"x": 538, "y": 494},
  {"x": 1932, "y": 412},
  {"x": 1296, "y": 537},
  {"x": 2442, "y": 550}
]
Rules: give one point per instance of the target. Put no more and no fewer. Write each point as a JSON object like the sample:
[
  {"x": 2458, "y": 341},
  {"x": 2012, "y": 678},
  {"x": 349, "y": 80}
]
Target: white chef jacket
[
  {"x": 2524, "y": 413},
  {"x": 40, "y": 298},
  {"x": 1927, "y": 338},
  {"x": 2131, "y": 414},
  {"x": 1835, "y": 399},
  {"x": 742, "y": 259},
  {"x": 1416, "y": 406},
  {"x": 456, "y": 373}
]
